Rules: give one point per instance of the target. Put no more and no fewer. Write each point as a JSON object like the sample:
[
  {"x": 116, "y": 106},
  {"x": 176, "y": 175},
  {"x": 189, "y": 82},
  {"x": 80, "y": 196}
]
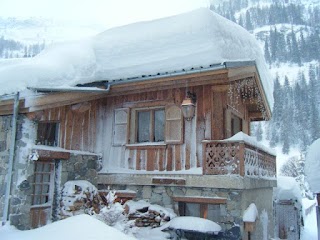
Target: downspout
[{"x": 5, "y": 216}]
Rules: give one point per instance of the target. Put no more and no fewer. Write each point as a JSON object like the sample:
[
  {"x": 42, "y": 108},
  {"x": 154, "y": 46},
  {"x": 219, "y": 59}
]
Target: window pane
[
  {"x": 159, "y": 120},
  {"x": 214, "y": 212},
  {"x": 143, "y": 127},
  {"x": 193, "y": 209}
]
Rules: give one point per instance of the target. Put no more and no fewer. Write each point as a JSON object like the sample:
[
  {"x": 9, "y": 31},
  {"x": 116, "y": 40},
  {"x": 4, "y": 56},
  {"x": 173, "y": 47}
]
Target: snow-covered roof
[
  {"x": 196, "y": 39},
  {"x": 312, "y": 166},
  {"x": 287, "y": 189}
]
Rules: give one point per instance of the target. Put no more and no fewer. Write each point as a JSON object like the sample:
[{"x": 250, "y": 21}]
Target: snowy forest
[{"x": 289, "y": 34}]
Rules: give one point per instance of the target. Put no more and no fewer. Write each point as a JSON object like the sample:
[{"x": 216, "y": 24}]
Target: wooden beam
[
  {"x": 207, "y": 200},
  {"x": 51, "y": 154},
  {"x": 52, "y": 100}
]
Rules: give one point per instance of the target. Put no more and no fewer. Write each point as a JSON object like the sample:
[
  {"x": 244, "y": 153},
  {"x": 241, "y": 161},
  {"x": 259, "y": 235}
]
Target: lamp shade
[{"x": 188, "y": 108}]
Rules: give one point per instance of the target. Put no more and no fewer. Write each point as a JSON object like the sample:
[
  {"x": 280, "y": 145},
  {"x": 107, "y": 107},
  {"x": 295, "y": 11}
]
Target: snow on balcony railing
[{"x": 240, "y": 155}]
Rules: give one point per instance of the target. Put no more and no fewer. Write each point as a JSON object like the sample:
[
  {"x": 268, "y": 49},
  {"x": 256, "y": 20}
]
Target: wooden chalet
[{"x": 179, "y": 138}]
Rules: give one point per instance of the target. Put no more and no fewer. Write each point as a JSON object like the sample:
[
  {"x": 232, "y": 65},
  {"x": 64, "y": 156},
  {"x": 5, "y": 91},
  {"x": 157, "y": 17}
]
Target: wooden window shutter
[
  {"x": 174, "y": 134},
  {"x": 120, "y": 127}
]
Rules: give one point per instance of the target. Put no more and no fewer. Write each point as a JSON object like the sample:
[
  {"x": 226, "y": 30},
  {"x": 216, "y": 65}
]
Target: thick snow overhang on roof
[{"x": 192, "y": 41}]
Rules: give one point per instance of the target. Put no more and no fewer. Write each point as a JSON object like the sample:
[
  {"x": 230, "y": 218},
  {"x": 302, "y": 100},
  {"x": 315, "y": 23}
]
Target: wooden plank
[
  {"x": 169, "y": 158},
  {"x": 85, "y": 131},
  {"x": 131, "y": 160},
  {"x": 207, "y": 200},
  {"x": 51, "y": 155},
  {"x": 51, "y": 100},
  {"x": 204, "y": 211},
  {"x": 161, "y": 159},
  {"x": 68, "y": 128},
  {"x": 207, "y": 109},
  {"x": 177, "y": 157},
  {"x": 138, "y": 159},
  {"x": 76, "y": 131},
  {"x": 150, "y": 159}
]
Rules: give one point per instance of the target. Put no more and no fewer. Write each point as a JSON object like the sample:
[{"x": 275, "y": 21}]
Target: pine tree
[
  {"x": 249, "y": 25},
  {"x": 266, "y": 51}
]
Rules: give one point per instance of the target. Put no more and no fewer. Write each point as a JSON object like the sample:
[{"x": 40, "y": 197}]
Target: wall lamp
[{"x": 188, "y": 106}]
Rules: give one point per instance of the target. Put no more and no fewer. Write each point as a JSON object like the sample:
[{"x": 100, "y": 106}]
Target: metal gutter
[
  {"x": 73, "y": 89},
  {"x": 5, "y": 216}
]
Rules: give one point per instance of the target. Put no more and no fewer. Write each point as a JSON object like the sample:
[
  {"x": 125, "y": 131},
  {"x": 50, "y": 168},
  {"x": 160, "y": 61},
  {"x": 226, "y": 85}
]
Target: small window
[
  {"x": 150, "y": 125},
  {"x": 42, "y": 182},
  {"x": 47, "y": 133}
]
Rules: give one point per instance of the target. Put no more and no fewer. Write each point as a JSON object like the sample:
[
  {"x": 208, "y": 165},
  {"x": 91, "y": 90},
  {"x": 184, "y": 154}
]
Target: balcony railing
[{"x": 238, "y": 157}]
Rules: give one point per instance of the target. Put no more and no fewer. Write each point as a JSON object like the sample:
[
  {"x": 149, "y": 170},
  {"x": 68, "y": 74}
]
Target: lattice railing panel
[{"x": 222, "y": 158}]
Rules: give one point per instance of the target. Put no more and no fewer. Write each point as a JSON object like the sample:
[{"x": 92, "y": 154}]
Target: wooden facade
[{"x": 226, "y": 102}]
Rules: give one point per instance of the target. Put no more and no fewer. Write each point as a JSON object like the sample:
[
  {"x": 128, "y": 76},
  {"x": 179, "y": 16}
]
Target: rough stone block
[{"x": 146, "y": 192}]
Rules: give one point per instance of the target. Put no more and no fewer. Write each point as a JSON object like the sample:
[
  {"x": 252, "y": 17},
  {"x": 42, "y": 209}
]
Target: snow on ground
[
  {"x": 194, "y": 224},
  {"x": 80, "y": 227},
  {"x": 309, "y": 232}
]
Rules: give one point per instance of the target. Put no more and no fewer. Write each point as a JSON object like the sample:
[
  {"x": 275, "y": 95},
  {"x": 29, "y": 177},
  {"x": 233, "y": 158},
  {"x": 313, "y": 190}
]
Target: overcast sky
[{"x": 106, "y": 12}]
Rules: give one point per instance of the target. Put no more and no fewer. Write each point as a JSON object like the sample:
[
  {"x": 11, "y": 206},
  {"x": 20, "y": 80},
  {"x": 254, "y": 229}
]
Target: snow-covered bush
[{"x": 111, "y": 214}]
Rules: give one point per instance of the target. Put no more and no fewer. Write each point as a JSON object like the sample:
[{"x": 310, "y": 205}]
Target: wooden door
[{"x": 42, "y": 193}]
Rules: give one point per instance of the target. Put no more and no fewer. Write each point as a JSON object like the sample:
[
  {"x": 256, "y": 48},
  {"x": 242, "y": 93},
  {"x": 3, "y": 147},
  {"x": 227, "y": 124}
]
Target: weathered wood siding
[{"x": 92, "y": 129}]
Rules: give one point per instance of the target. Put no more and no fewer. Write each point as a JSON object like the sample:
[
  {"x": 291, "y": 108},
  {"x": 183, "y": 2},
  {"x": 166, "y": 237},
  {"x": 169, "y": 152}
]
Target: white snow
[
  {"x": 288, "y": 188},
  {"x": 312, "y": 166},
  {"x": 191, "y": 40},
  {"x": 136, "y": 205},
  {"x": 251, "y": 213},
  {"x": 194, "y": 224},
  {"x": 80, "y": 227},
  {"x": 241, "y": 136}
]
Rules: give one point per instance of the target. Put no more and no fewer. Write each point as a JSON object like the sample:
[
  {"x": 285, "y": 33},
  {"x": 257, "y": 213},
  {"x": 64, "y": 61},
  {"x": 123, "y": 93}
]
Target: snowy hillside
[
  {"x": 288, "y": 33},
  {"x": 26, "y": 37}
]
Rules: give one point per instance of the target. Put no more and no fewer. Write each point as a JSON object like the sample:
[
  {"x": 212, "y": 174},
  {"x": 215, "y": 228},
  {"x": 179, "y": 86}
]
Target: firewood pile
[
  {"x": 80, "y": 198},
  {"x": 147, "y": 215}
]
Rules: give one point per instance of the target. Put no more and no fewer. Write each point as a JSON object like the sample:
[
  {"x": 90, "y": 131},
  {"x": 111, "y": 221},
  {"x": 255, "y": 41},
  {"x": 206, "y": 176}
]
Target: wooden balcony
[{"x": 227, "y": 157}]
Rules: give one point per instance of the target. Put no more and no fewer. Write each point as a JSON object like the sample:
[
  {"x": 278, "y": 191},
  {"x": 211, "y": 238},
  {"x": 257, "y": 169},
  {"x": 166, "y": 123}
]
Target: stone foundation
[{"x": 230, "y": 213}]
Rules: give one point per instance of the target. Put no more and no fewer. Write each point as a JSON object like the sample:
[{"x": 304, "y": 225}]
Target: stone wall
[
  {"x": 162, "y": 195},
  {"x": 80, "y": 166},
  {"x": 231, "y": 213},
  {"x": 5, "y": 135}
]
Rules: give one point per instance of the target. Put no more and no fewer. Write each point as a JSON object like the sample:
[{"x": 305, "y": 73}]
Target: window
[
  {"x": 236, "y": 124},
  {"x": 144, "y": 124},
  {"x": 47, "y": 133},
  {"x": 150, "y": 125},
  {"x": 233, "y": 123},
  {"x": 203, "y": 210},
  {"x": 42, "y": 183}
]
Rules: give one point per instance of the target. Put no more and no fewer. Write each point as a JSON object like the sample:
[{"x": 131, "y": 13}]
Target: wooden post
[{"x": 318, "y": 214}]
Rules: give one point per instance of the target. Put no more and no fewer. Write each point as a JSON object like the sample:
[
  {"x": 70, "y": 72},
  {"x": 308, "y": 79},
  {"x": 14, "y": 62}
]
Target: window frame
[
  {"x": 56, "y": 133},
  {"x": 152, "y": 111},
  {"x": 38, "y": 180}
]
